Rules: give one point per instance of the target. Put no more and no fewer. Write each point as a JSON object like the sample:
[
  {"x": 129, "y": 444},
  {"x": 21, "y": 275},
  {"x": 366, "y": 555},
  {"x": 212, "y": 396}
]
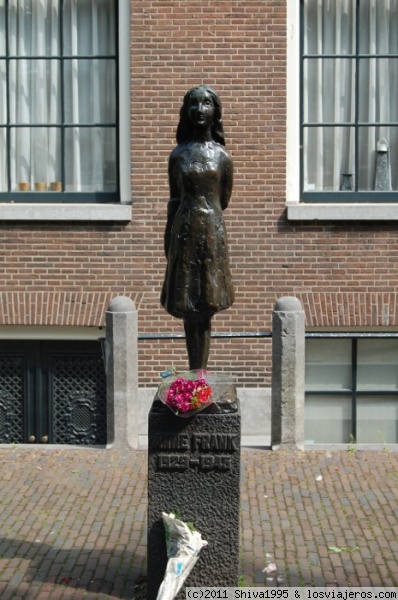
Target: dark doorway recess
[{"x": 52, "y": 392}]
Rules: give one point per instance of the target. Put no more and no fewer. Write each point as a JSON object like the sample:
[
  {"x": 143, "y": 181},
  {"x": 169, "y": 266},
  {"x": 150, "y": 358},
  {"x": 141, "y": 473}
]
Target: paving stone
[{"x": 73, "y": 523}]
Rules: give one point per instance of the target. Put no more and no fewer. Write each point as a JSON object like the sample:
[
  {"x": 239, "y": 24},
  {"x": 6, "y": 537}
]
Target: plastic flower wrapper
[
  {"x": 188, "y": 393},
  {"x": 183, "y": 547}
]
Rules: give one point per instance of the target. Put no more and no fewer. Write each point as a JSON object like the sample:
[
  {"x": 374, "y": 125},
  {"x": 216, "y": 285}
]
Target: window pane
[
  {"x": 329, "y": 27},
  {"x": 378, "y": 21},
  {"x": 368, "y": 138},
  {"x": 2, "y": 29},
  {"x": 90, "y": 91},
  {"x": 34, "y": 28},
  {"x": 35, "y": 91},
  {"x": 328, "y": 155},
  {"x": 378, "y": 80},
  {"x": 329, "y": 91},
  {"x": 327, "y": 419},
  {"x": 3, "y": 92},
  {"x": 377, "y": 364},
  {"x": 35, "y": 158},
  {"x": 89, "y": 27},
  {"x": 328, "y": 364},
  {"x": 377, "y": 420},
  {"x": 90, "y": 159},
  {"x": 3, "y": 160}
]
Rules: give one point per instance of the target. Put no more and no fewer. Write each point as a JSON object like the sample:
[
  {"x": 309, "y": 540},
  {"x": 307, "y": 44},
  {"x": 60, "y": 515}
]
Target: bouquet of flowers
[
  {"x": 186, "y": 394},
  {"x": 183, "y": 546}
]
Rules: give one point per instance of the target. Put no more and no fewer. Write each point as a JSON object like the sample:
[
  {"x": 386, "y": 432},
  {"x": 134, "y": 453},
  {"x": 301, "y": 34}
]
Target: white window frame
[
  {"x": 297, "y": 210},
  {"x": 30, "y": 211}
]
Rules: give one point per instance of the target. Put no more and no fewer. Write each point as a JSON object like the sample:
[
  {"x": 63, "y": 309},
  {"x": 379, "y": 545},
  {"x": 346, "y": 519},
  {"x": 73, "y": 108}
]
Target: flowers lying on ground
[
  {"x": 185, "y": 395},
  {"x": 183, "y": 544}
]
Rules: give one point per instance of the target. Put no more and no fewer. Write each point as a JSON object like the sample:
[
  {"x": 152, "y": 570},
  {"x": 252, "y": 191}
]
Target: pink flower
[{"x": 185, "y": 395}]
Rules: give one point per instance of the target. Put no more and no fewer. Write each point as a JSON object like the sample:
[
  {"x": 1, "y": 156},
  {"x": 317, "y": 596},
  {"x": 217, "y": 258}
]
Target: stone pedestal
[{"x": 194, "y": 471}]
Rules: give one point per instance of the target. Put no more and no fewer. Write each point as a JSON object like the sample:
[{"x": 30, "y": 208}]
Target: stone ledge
[
  {"x": 342, "y": 212},
  {"x": 64, "y": 212}
]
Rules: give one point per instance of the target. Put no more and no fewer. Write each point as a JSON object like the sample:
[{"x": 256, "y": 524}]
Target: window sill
[
  {"x": 342, "y": 212},
  {"x": 64, "y": 212}
]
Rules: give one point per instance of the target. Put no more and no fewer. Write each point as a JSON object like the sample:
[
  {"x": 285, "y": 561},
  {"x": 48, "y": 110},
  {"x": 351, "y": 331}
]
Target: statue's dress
[{"x": 198, "y": 279}]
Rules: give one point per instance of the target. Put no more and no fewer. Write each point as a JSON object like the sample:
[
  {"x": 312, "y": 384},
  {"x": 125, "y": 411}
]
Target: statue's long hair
[{"x": 185, "y": 127}]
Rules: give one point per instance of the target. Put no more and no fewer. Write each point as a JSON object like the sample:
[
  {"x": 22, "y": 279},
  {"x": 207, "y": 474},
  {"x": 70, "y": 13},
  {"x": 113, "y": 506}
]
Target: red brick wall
[{"x": 345, "y": 274}]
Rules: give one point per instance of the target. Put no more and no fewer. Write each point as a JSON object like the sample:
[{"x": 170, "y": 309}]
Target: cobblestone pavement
[{"x": 73, "y": 522}]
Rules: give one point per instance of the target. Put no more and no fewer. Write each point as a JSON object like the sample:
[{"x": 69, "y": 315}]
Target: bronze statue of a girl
[{"x": 198, "y": 280}]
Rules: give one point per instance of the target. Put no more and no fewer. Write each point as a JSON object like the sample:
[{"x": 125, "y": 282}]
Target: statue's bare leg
[{"x": 197, "y": 334}]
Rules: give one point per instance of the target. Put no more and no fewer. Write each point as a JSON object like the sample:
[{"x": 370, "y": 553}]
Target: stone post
[
  {"x": 121, "y": 366},
  {"x": 288, "y": 374}
]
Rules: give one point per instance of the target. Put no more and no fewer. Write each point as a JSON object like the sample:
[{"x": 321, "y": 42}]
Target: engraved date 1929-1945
[{"x": 205, "y": 462}]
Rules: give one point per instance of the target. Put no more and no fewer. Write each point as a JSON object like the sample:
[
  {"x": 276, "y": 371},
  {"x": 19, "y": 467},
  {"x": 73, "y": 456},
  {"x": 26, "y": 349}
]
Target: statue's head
[{"x": 185, "y": 126}]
